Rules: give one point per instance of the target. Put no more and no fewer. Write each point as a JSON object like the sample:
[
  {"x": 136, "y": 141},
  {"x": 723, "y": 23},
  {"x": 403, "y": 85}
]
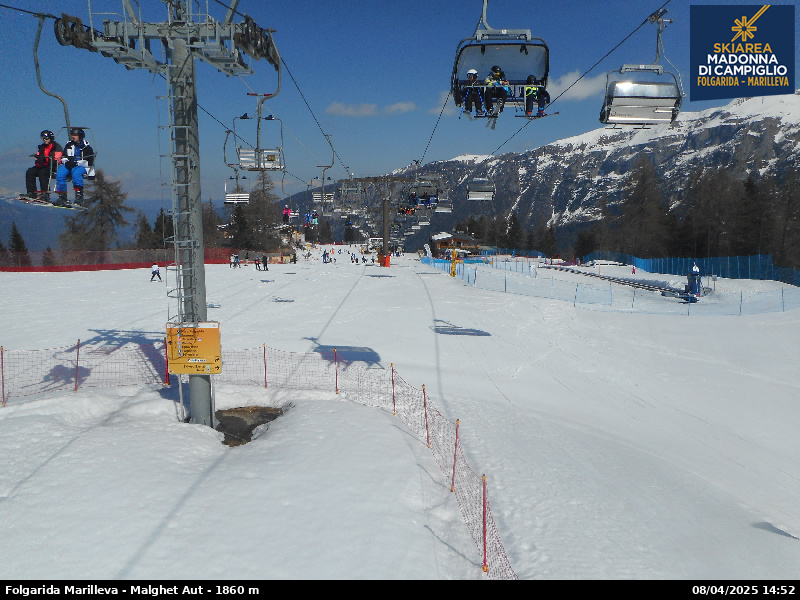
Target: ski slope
[{"x": 615, "y": 445}]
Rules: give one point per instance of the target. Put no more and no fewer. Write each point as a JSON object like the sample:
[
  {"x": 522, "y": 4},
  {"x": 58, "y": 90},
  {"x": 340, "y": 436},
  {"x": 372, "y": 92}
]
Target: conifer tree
[
  {"x": 643, "y": 222},
  {"x": 212, "y": 237},
  {"x": 516, "y": 235},
  {"x": 5, "y": 256},
  {"x": 163, "y": 227},
  {"x": 97, "y": 228},
  {"x": 145, "y": 238},
  {"x": 787, "y": 224},
  {"x": 48, "y": 258},
  {"x": 325, "y": 233},
  {"x": 751, "y": 218},
  {"x": 18, "y": 249},
  {"x": 241, "y": 234}
]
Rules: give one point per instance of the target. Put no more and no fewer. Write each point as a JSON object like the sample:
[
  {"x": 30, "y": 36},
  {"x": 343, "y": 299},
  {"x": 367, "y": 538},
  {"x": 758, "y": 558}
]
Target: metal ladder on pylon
[{"x": 181, "y": 239}]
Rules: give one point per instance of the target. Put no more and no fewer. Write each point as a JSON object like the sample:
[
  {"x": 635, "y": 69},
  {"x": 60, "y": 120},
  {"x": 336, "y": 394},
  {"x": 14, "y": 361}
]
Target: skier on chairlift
[
  {"x": 535, "y": 92},
  {"x": 46, "y": 158},
  {"x": 76, "y": 162},
  {"x": 472, "y": 94},
  {"x": 496, "y": 91}
]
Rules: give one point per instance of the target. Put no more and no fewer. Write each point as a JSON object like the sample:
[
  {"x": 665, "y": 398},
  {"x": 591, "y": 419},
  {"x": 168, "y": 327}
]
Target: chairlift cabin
[
  {"x": 519, "y": 54},
  {"x": 642, "y": 94},
  {"x": 481, "y": 189},
  {"x": 258, "y": 158}
]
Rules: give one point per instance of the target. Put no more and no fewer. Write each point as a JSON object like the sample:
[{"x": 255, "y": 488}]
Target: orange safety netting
[{"x": 70, "y": 368}]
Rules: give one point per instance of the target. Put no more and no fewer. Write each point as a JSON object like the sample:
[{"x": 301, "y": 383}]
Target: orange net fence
[{"x": 71, "y": 368}]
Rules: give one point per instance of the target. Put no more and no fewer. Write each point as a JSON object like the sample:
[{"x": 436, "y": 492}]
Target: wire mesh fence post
[
  {"x": 455, "y": 455},
  {"x": 336, "y": 368},
  {"x": 394, "y": 403},
  {"x": 77, "y": 358},
  {"x": 485, "y": 561},
  {"x": 425, "y": 407},
  {"x": 265, "y": 366},
  {"x": 3, "y": 375}
]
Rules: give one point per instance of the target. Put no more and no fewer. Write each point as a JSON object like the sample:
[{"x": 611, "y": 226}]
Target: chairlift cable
[
  {"x": 441, "y": 112},
  {"x": 642, "y": 24},
  {"x": 35, "y": 14},
  {"x": 336, "y": 154},
  {"x": 272, "y": 112},
  {"x": 585, "y": 73}
]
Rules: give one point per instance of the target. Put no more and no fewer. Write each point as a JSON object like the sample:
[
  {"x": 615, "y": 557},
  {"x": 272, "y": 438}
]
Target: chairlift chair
[
  {"x": 256, "y": 158},
  {"x": 444, "y": 205},
  {"x": 515, "y": 51},
  {"x": 481, "y": 189},
  {"x": 643, "y": 94},
  {"x": 630, "y": 100}
]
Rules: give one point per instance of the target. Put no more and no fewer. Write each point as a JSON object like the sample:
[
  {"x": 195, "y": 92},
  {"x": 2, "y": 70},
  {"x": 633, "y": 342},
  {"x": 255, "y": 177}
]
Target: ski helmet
[
  {"x": 497, "y": 71},
  {"x": 77, "y": 131},
  {"x": 472, "y": 72},
  {"x": 47, "y": 134}
]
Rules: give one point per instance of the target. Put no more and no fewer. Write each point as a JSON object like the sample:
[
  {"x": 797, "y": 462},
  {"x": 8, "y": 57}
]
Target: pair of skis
[
  {"x": 491, "y": 118},
  {"x": 42, "y": 199}
]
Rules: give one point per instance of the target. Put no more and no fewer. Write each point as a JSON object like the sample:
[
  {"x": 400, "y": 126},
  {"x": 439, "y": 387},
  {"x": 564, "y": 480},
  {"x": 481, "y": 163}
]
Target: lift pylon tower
[
  {"x": 186, "y": 35},
  {"x": 386, "y": 184}
]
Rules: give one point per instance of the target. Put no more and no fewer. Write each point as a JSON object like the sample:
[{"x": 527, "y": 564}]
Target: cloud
[
  {"x": 449, "y": 110},
  {"x": 585, "y": 88},
  {"x": 399, "y": 108},
  {"x": 352, "y": 110}
]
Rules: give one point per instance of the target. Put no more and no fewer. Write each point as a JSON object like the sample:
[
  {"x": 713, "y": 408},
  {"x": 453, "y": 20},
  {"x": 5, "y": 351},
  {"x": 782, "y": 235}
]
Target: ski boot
[
  {"x": 78, "y": 195},
  {"x": 60, "y": 199}
]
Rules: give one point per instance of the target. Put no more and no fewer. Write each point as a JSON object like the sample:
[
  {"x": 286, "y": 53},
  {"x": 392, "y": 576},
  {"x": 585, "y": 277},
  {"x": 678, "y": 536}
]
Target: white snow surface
[{"x": 615, "y": 445}]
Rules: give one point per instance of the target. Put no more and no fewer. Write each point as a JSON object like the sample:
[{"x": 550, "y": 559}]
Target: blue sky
[{"x": 375, "y": 75}]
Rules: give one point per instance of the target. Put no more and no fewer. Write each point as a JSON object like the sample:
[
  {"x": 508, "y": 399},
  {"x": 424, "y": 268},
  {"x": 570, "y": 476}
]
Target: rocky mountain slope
[{"x": 563, "y": 182}]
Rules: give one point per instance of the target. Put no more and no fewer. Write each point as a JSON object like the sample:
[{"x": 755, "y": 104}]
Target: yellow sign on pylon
[{"x": 194, "y": 348}]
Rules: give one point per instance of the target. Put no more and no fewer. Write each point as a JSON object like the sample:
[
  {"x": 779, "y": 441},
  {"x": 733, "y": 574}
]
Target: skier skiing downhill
[{"x": 76, "y": 161}]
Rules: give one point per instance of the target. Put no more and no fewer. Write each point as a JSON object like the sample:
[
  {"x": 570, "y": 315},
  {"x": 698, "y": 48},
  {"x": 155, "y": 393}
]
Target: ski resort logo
[{"x": 741, "y": 51}]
